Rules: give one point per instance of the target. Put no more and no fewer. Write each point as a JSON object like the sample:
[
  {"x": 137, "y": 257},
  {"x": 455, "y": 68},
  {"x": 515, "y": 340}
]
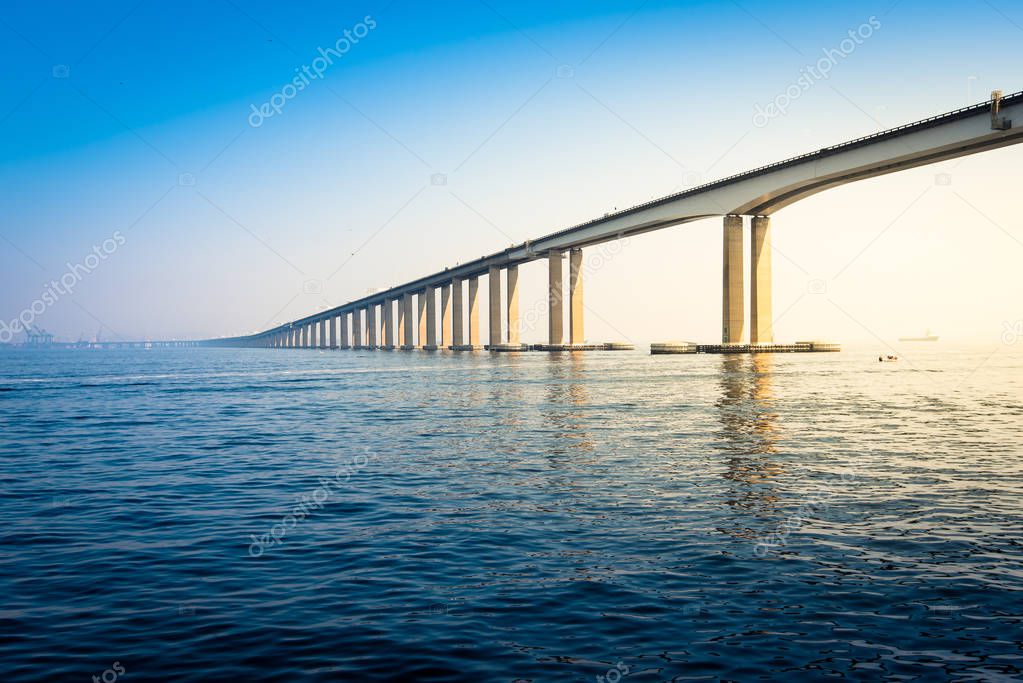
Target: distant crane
[{"x": 37, "y": 336}]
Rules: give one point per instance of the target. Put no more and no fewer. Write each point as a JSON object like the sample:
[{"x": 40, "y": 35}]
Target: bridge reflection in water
[{"x": 751, "y": 439}]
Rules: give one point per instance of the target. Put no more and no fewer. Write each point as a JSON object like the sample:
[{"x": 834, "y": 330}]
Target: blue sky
[{"x": 133, "y": 117}]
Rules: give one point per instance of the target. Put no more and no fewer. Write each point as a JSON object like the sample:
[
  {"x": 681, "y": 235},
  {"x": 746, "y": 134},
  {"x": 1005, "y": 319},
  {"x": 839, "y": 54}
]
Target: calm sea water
[{"x": 254, "y": 515}]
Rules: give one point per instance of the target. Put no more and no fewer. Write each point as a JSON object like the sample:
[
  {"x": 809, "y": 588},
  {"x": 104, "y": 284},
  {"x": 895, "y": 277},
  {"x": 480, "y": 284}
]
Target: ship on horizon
[{"x": 928, "y": 337}]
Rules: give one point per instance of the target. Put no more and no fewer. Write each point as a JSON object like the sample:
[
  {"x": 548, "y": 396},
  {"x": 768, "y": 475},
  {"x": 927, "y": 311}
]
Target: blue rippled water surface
[{"x": 253, "y": 515}]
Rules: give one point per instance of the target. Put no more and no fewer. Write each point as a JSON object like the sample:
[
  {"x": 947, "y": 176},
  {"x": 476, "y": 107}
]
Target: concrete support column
[
  {"x": 445, "y": 316},
  {"x": 387, "y": 308},
  {"x": 494, "y": 286},
  {"x": 421, "y": 319},
  {"x": 344, "y": 331},
  {"x": 457, "y": 314},
  {"x": 431, "y": 319},
  {"x": 399, "y": 325},
  {"x": 357, "y": 339},
  {"x": 555, "y": 298},
  {"x": 371, "y": 327},
  {"x": 408, "y": 337},
  {"x": 333, "y": 332},
  {"x": 512, "y": 285},
  {"x": 761, "y": 325},
  {"x": 320, "y": 338},
  {"x": 474, "y": 311},
  {"x": 733, "y": 309},
  {"x": 301, "y": 337},
  {"x": 576, "y": 332}
]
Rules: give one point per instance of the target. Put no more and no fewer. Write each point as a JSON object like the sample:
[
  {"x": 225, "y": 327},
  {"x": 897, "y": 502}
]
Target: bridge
[{"x": 407, "y": 316}]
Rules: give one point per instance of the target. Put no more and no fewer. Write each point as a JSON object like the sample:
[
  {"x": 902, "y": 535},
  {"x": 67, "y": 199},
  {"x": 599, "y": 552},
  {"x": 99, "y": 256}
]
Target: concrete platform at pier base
[
  {"x": 465, "y": 347},
  {"x": 692, "y": 347},
  {"x": 609, "y": 346},
  {"x": 407, "y": 348},
  {"x": 507, "y": 348},
  {"x": 387, "y": 348},
  {"x": 431, "y": 347},
  {"x": 365, "y": 348}
]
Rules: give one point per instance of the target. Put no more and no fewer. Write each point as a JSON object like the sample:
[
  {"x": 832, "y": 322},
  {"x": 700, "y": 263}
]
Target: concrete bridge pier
[
  {"x": 555, "y": 298},
  {"x": 470, "y": 313},
  {"x": 357, "y": 340},
  {"x": 429, "y": 341},
  {"x": 761, "y": 327},
  {"x": 332, "y": 324},
  {"x": 387, "y": 311},
  {"x": 576, "y": 333},
  {"x": 510, "y": 315},
  {"x": 372, "y": 327},
  {"x": 512, "y": 307},
  {"x": 408, "y": 321},
  {"x": 445, "y": 316},
  {"x": 399, "y": 325},
  {"x": 733, "y": 310},
  {"x": 457, "y": 315},
  {"x": 344, "y": 331},
  {"x": 494, "y": 290},
  {"x": 421, "y": 319},
  {"x": 474, "y": 312}
]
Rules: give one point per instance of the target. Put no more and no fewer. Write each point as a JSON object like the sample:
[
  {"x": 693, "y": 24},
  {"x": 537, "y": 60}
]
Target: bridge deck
[{"x": 759, "y": 191}]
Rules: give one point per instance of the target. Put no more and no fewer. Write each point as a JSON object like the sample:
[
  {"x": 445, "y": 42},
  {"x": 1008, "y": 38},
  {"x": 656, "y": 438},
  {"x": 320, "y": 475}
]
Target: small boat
[
  {"x": 928, "y": 337},
  {"x": 887, "y": 359}
]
